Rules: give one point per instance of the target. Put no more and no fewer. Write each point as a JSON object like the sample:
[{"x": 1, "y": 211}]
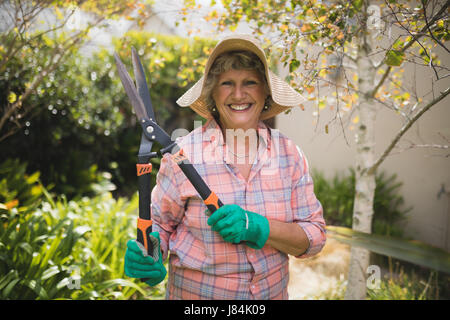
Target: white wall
[{"x": 422, "y": 171}]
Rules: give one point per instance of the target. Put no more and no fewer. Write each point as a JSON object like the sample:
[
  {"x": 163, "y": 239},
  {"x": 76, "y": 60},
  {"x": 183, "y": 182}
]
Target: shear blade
[
  {"x": 130, "y": 89},
  {"x": 141, "y": 83}
]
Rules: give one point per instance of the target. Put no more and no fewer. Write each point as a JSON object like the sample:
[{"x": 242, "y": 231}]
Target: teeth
[{"x": 240, "y": 107}]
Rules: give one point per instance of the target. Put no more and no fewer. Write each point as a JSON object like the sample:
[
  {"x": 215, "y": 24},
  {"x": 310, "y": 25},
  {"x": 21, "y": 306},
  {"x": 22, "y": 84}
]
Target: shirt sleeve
[
  {"x": 167, "y": 206},
  {"x": 307, "y": 209}
]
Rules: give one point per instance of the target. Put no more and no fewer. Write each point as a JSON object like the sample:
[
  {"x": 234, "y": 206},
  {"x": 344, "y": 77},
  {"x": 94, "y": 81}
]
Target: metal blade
[
  {"x": 141, "y": 84},
  {"x": 130, "y": 89}
]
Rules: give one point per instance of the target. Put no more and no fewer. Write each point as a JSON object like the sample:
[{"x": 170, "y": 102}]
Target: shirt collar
[{"x": 212, "y": 132}]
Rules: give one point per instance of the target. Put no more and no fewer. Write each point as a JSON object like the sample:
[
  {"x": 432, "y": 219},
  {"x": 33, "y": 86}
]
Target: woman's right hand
[{"x": 138, "y": 265}]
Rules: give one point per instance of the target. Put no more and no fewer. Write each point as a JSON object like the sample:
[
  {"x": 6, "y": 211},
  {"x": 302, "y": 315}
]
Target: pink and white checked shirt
[{"x": 201, "y": 264}]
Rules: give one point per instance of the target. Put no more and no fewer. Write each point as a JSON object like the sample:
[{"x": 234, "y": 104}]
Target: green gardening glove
[
  {"x": 138, "y": 264},
  {"x": 235, "y": 224}
]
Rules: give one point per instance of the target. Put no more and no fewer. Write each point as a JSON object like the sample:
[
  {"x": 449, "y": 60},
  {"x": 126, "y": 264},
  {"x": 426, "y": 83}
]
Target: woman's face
[{"x": 239, "y": 96}]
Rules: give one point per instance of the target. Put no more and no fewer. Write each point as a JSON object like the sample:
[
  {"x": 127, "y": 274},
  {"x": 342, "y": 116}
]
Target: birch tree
[{"x": 350, "y": 56}]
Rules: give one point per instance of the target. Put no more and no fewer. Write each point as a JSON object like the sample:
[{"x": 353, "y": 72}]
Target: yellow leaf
[
  {"x": 321, "y": 104},
  {"x": 12, "y": 97},
  {"x": 305, "y": 28},
  {"x": 284, "y": 28},
  {"x": 59, "y": 15},
  {"x": 310, "y": 89},
  {"x": 323, "y": 73},
  {"x": 11, "y": 204},
  {"x": 322, "y": 19},
  {"x": 355, "y": 120}
]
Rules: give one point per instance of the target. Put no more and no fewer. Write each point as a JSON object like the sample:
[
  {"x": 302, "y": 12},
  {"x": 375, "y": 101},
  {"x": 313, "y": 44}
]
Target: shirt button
[{"x": 253, "y": 287}]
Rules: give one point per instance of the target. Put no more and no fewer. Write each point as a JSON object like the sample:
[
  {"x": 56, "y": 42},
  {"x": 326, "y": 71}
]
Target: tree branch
[
  {"x": 404, "y": 129},
  {"x": 410, "y": 43},
  {"x": 428, "y": 27}
]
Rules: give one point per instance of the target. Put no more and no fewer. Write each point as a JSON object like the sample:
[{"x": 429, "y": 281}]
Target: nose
[{"x": 239, "y": 92}]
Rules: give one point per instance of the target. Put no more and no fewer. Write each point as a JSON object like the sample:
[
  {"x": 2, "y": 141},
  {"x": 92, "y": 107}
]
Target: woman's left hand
[{"x": 235, "y": 225}]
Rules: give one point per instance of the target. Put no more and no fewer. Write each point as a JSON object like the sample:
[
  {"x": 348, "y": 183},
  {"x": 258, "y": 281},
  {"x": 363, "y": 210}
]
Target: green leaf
[
  {"x": 357, "y": 4},
  {"x": 37, "y": 288},
  {"x": 50, "y": 272},
  {"x": 33, "y": 178},
  {"x": 81, "y": 230},
  {"x": 109, "y": 284},
  {"x": 293, "y": 65},
  {"x": 394, "y": 58},
  {"x": 9, "y": 287}
]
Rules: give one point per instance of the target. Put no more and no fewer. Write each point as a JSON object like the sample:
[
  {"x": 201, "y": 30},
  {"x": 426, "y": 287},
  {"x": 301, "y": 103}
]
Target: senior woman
[{"x": 241, "y": 250}]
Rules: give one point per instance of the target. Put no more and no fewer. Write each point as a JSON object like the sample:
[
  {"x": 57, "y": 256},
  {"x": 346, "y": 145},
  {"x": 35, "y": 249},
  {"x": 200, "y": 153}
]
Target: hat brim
[{"x": 283, "y": 95}]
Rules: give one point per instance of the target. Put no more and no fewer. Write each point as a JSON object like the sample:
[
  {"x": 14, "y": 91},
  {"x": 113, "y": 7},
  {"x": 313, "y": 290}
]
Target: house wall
[{"x": 424, "y": 172}]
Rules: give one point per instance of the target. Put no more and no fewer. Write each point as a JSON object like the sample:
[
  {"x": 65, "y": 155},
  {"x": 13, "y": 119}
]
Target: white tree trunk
[{"x": 365, "y": 182}]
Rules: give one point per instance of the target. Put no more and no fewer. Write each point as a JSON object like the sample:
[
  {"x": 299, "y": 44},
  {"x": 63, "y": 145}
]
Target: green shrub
[
  {"x": 337, "y": 198},
  {"x": 80, "y": 123},
  {"x": 47, "y": 244},
  {"x": 19, "y": 193},
  {"x": 35, "y": 248},
  {"x": 393, "y": 287},
  {"x": 403, "y": 286}
]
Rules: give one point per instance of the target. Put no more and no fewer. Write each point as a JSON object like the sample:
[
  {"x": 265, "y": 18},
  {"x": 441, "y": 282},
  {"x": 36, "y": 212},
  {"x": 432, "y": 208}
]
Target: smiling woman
[
  {"x": 221, "y": 76},
  {"x": 241, "y": 250},
  {"x": 239, "y": 97}
]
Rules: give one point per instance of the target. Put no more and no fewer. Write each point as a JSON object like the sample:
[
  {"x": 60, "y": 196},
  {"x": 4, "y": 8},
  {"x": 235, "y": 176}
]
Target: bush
[
  {"x": 48, "y": 244},
  {"x": 404, "y": 286},
  {"x": 399, "y": 287},
  {"x": 337, "y": 198},
  {"x": 80, "y": 122}
]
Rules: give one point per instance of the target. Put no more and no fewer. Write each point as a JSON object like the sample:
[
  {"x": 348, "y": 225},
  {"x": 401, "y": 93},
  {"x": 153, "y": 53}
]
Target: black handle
[{"x": 209, "y": 198}]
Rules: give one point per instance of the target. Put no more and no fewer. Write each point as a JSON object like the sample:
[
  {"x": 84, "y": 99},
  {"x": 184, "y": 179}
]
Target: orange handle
[{"x": 144, "y": 228}]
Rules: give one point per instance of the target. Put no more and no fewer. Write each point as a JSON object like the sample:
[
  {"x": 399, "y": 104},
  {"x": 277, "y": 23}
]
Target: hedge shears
[{"x": 139, "y": 96}]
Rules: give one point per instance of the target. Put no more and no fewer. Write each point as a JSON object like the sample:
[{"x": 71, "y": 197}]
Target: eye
[
  {"x": 251, "y": 82},
  {"x": 226, "y": 83}
]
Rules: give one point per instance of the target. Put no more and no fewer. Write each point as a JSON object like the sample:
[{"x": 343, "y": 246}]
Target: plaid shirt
[{"x": 201, "y": 264}]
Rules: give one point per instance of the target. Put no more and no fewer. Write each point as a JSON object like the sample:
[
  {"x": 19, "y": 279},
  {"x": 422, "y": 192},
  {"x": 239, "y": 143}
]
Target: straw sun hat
[{"x": 283, "y": 95}]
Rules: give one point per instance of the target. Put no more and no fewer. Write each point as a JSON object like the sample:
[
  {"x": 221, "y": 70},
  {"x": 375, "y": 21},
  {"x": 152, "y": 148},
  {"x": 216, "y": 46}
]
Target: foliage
[
  {"x": 86, "y": 127},
  {"x": 61, "y": 27},
  {"x": 403, "y": 287},
  {"x": 48, "y": 244},
  {"x": 393, "y": 286},
  {"x": 19, "y": 193},
  {"x": 171, "y": 64},
  {"x": 337, "y": 197},
  {"x": 333, "y": 28}
]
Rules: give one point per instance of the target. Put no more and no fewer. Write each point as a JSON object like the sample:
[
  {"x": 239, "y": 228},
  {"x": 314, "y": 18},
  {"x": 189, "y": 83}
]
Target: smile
[{"x": 240, "y": 107}]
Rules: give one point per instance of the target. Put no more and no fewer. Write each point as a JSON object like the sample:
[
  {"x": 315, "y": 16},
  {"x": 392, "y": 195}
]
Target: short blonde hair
[{"x": 232, "y": 60}]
